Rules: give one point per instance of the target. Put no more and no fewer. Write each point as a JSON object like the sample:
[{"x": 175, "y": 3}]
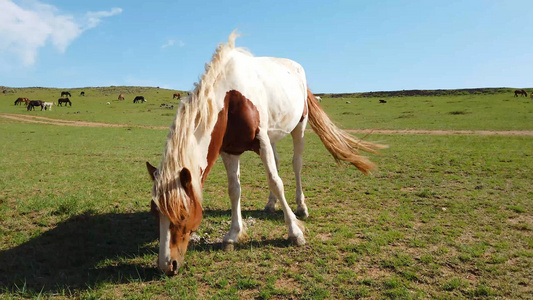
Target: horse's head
[{"x": 179, "y": 214}]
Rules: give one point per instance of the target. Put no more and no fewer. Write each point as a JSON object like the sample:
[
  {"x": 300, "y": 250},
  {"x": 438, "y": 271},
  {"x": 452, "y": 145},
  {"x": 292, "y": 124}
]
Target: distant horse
[
  {"x": 318, "y": 98},
  {"x": 60, "y": 101},
  {"x": 48, "y": 105},
  {"x": 32, "y": 104},
  {"x": 21, "y": 100},
  {"x": 382, "y": 101},
  {"x": 82, "y": 94},
  {"x": 176, "y": 95},
  {"x": 121, "y": 97},
  {"x": 67, "y": 94},
  {"x": 520, "y": 92},
  {"x": 139, "y": 99},
  {"x": 242, "y": 103}
]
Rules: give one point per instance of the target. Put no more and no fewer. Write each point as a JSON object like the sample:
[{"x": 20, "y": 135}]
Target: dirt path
[{"x": 50, "y": 121}]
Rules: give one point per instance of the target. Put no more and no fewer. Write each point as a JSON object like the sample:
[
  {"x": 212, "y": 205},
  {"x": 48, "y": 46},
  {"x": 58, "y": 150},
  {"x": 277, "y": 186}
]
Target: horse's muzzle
[{"x": 171, "y": 269}]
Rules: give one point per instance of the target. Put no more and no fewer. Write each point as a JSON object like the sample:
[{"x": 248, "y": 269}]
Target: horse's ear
[
  {"x": 185, "y": 177},
  {"x": 151, "y": 170}
]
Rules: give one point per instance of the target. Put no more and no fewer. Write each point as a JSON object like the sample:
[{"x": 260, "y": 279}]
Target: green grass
[
  {"x": 501, "y": 111},
  {"x": 443, "y": 217}
]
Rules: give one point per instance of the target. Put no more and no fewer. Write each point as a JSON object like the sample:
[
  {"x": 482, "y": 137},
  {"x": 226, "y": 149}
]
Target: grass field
[{"x": 444, "y": 217}]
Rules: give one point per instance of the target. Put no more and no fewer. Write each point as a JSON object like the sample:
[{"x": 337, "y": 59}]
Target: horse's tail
[{"x": 340, "y": 144}]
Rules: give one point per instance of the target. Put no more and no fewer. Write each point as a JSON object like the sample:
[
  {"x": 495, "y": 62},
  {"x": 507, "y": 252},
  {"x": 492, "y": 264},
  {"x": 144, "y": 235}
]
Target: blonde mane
[{"x": 196, "y": 114}]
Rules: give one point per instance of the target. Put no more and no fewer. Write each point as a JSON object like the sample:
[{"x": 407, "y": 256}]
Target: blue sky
[{"x": 344, "y": 46}]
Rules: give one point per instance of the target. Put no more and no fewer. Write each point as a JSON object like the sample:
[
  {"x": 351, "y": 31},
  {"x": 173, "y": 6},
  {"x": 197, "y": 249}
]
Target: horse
[
  {"x": 121, "y": 97},
  {"x": 176, "y": 95},
  {"x": 318, "y": 98},
  {"x": 21, "y": 100},
  {"x": 33, "y": 103},
  {"x": 241, "y": 103},
  {"x": 82, "y": 94},
  {"x": 520, "y": 92},
  {"x": 60, "y": 101},
  {"x": 139, "y": 99},
  {"x": 67, "y": 94},
  {"x": 382, "y": 101},
  {"x": 48, "y": 105}
]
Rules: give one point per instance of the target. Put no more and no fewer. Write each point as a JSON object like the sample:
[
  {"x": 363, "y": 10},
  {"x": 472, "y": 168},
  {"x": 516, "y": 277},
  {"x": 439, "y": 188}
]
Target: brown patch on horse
[{"x": 236, "y": 129}]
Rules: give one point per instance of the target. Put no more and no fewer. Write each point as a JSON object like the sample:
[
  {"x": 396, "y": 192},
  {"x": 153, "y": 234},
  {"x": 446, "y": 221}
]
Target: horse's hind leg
[
  {"x": 271, "y": 204},
  {"x": 237, "y": 230},
  {"x": 276, "y": 186},
  {"x": 297, "y": 162}
]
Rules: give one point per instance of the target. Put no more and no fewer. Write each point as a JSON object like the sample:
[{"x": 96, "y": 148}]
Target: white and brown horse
[
  {"x": 242, "y": 103},
  {"x": 121, "y": 97}
]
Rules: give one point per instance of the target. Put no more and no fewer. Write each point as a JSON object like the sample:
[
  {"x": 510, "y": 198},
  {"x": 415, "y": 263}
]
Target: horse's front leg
[
  {"x": 275, "y": 184},
  {"x": 237, "y": 230}
]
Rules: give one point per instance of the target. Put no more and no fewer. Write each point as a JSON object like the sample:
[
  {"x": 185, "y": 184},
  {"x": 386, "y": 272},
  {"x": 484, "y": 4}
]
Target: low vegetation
[{"x": 445, "y": 216}]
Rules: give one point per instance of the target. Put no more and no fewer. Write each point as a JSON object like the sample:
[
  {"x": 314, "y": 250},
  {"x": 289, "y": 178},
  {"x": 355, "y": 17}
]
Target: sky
[{"x": 344, "y": 46}]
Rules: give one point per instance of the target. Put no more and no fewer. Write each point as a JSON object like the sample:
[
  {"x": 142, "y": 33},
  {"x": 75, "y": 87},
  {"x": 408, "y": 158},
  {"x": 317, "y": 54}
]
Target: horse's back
[{"x": 276, "y": 86}]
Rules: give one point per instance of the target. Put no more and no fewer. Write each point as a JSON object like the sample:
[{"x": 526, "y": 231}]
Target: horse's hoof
[
  {"x": 302, "y": 212},
  {"x": 226, "y": 246},
  {"x": 298, "y": 241},
  {"x": 270, "y": 209}
]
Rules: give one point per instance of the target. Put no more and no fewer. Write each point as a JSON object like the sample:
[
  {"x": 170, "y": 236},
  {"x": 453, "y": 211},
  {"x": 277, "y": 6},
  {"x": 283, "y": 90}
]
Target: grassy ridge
[
  {"x": 489, "y": 111},
  {"x": 443, "y": 217}
]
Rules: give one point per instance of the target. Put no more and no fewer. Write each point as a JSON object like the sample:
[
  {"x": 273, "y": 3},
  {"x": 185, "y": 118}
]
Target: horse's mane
[{"x": 195, "y": 116}]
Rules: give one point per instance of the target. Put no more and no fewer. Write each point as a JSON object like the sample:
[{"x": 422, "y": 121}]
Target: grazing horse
[
  {"x": 520, "y": 92},
  {"x": 21, "y": 100},
  {"x": 318, "y": 98},
  {"x": 121, "y": 97},
  {"x": 382, "y": 101},
  {"x": 139, "y": 99},
  {"x": 176, "y": 95},
  {"x": 241, "y": 103},
  {"x": 33, "y": 103},
  {"x": 82, "y": 94},
  {"x": 67, "y": 94},
  {"x": 60, "y": 101},
  {"x": 48, "y": 105}
]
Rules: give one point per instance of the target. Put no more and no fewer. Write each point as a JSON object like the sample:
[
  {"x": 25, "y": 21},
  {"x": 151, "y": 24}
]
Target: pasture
[{"x": 445, "y": 216}]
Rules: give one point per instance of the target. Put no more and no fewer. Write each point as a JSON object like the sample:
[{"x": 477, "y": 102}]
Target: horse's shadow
[
  {"x": 80, "y": 253},
  {"x": 89, "y": 249}
]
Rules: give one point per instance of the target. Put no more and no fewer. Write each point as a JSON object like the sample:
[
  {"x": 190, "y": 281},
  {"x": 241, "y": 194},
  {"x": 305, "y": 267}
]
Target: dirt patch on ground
[{"x": 50, "y": 121}]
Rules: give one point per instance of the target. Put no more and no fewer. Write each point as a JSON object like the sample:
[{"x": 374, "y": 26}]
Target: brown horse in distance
[
  {"x": 121, "y": 97},
  {"x": 176, "y": 95},
  {"x": 60, "y": 101},
  {"x": 32, "y": 104},
  {"x": 20, "y": 100},
  {"x": 520, "y": 92}
]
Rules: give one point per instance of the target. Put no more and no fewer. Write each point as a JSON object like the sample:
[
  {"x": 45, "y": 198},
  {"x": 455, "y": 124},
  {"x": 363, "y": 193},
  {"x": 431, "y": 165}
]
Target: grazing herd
[{"x": 32, "y": 104}]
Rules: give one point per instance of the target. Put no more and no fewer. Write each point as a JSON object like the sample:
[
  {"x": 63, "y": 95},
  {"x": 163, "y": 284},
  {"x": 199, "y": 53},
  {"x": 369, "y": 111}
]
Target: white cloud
[
  {"x": 94, "y": 18},
  {"x": 170, "y": 43},
  {"x": 24, "y": 30}
]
